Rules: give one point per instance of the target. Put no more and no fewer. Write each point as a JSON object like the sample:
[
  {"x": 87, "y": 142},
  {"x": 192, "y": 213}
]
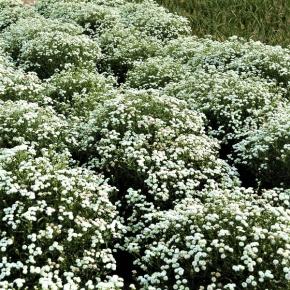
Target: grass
[{"x": 264, "y": 20}]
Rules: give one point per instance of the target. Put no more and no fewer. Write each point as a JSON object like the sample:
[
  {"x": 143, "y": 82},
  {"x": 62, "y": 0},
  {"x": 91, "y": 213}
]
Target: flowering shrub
[
  {"x": 27, "y": 29},
  {"x": 122, "y": 46},
  {"x": 231, "y": 240},
  {"x": 93, "y": 17},
  {"x": 145, "y": 140},
  {"x": 22, "y": 122},
  {"x": 234, "y": 54},
  {"x": 17, "y": 85},
  {"x": 57, "y": 224},
  {"x": 11, "y": 11},
  {"x": 266, "y": 151},
  {"x": 155, "y": 73},
  {"x": 154, "y": 20},
  {"x": 44, "y": 6},
  {"x": 277, "y": 197},
  {"x": 234, "y": 103},
  {"x": 76, "y": 91},
  {"x": 52, "y": 51}
]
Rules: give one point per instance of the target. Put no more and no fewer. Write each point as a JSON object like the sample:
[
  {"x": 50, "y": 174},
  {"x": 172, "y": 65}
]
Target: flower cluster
[
  {"x": 122, "y": 46},
  {"x": 76, "y": 91},
  {"x": 152, "y": 141},
  {"x": 11, "y": 11},
  {"x": 156, "y": 73},
  {"x": 57, "y": 223},
  {"x": 154, "y": 20},
  {"x": 266, "y": 151},
  {"x": 16, "y": 85},
  {"x": 22, "y": 122},
  {"x": 26, "y": 29},
  {"x": 229, "y": 240},
  {"x": 234, "y": 103},
  {"x": 94, "y": 18},
  {"x": 50, "y": 52},
  {"x": 233, "y": 54}
]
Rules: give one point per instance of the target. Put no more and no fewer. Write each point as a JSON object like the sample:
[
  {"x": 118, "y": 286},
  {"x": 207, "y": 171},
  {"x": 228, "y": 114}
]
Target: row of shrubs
[{"x": 122, "y": 138}]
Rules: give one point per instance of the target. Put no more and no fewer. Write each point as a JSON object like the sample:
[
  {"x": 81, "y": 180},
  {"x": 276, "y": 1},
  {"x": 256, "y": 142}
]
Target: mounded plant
[
  {"x": 12, "y": 10},
  {"x": 154, "y": 20},
  {"x": 266, "y": 151},
  {"x": 229, "y": 239},
  {"x": 122, "y": 46},
  {"x": 77, "y": 91},
  {"x": 235, "y": 104},
  {"x": 93, "y": 17},
  {"x": 155, "y": 73},
  {"x": 57, "y": 223},
  {"x": 22, "y": 122},
  {"x": 27, "y": 29},
  {"x": 144, "y": 140},
  {"x": 51, "y": 52},
  {"x": 17, "y": 85}
]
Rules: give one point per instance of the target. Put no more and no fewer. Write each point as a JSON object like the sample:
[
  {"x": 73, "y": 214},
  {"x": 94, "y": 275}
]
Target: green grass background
[{"x": 265, "y": 20}]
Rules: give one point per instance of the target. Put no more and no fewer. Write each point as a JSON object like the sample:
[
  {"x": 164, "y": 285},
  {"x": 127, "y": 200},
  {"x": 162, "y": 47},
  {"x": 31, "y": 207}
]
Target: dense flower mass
[
  {"x": 56, "y": 222},
  {"x": 230, "y": 240},
  {"x": 153, "y": 141},
  {"x": 136, "y": 156},
  {"x": 11, "y": 11},
  {"x": 266, "y": 151},
  {"x": 234, "y": 103},
  {"x": 76, "y": 91},
  {"x": 24, "y": 122}
]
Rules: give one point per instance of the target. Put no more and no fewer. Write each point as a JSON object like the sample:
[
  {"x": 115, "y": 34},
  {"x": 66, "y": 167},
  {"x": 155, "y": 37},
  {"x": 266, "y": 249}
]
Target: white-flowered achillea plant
[
  {"x": 122, "y": 46},
  {"x": 227, "y": 240},
  {"x": 94, "y": 18},
  {"x": 235, "y": 53},
  {"x": 15, "y": 84},
  {"x": 22, "y": 122},
  {"x": 12, "y": 10},
  {"x": 234, "y": 103},
  {"x": 156, "y": 73},
  {"x": 151, "y": 141},
  {"x": 77, "y": 91},
  {"x": 44, "y": 6},
  {"x": 57, "y": 224},
  {"x": 50, "y": 52},
  {"x": 26, "y": 29},
  {"x": 154, "y": 20},
  {"x": 119, "y": 137},
  {"x": 266, "y": 151}
]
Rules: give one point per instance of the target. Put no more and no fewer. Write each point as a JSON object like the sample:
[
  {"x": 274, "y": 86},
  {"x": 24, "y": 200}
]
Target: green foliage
[{"x": 264, "y": 20}]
